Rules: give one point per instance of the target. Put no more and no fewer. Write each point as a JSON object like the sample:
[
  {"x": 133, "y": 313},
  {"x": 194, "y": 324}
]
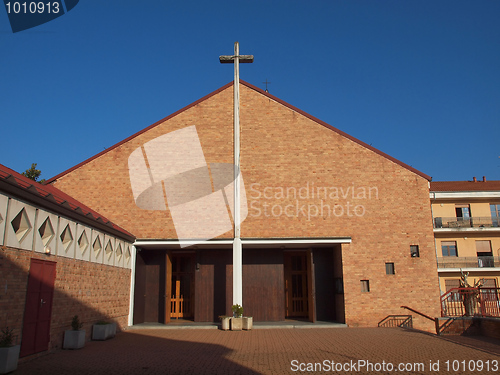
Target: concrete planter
[
  {"x": 74, "y": 339},
  {"x": 225, "y": 323},
  {"x": 8, "y": 358},
  {"x": 101, "y": 332},
  {"x": 236, "y": 324},
  {"x": 247, "y": 323}
]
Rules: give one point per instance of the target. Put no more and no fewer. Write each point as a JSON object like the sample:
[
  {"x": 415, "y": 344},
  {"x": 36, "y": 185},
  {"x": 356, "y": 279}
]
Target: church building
[{"x": 332, "y": 229}]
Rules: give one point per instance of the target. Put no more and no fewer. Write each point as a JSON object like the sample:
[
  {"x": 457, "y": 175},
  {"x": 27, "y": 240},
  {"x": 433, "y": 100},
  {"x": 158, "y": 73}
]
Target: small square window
[
  {"x": 389, "y": 269},
  {"x": 365, "y": 286},
  {"x": 415, "y": 253}
]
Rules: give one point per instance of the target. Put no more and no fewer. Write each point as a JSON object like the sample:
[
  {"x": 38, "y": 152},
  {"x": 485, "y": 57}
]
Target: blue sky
[{"x": 419, "y": 80}]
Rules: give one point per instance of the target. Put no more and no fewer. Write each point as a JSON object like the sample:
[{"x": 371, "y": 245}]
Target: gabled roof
[
  {"x": 53, "y": 199},
  {"x": 465, "y": 186},
  {"x": 265, "y": 94}
]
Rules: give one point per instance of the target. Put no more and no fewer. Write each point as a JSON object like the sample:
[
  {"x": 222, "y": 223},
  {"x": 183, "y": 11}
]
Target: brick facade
[{"x": 303, "y": 180}]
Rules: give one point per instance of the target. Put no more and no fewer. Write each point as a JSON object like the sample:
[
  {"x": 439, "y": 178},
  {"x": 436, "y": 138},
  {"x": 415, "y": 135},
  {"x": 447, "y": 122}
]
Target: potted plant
[
  {"x": 75, "y": 337},
  {"x": 9, "y": 353},
  {"x": 225, "y": 322},
  {"x": 103, "y": 330},
  {"x": 237, "y": 321}
]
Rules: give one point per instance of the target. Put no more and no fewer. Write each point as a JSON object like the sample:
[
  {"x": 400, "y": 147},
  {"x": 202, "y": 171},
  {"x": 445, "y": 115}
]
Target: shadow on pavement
[{"x": 134, "y": 353}]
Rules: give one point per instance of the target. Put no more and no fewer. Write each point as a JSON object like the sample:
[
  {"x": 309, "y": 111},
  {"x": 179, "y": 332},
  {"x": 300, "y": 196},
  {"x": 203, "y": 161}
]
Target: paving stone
[{"x": 269, "y": 351}]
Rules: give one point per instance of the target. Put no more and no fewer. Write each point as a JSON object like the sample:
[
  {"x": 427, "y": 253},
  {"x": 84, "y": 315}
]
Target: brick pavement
[{"x": 271, "y": 351}]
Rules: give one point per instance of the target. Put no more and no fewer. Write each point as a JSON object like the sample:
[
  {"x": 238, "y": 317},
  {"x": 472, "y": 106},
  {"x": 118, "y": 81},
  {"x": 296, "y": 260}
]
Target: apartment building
[{"x": 466, "y": 216}]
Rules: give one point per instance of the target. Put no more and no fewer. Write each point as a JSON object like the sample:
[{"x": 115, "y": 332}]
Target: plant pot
[
  {"x": 102, "y": 332},
  {"x": 236, "y": 324},
  {"x": 8, "y": 358},
  {"x": 225, "y": 323},
  {"x": 247, "y": 322},
  {"x": 74, "y": 339}
]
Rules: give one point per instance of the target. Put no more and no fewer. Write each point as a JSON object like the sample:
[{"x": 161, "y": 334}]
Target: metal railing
[
  {"x": 466, "y": 222},
  {"x": 468, "y": 262},
  {"x": 404, "y": 321},
  {"x": 418, "y": 312},
  {"x": 480, "y": 302}
]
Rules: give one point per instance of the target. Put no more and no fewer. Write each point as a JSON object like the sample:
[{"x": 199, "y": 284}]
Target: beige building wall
[
  {"x": 466, "y": 243},
  {"x": 477, "y": 209},
  {"x": 473, "y": 278},
  {"x": 443, "y": 209}
]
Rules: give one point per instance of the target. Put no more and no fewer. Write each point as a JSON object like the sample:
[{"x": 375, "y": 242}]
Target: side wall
[{"x": 92, "y": 291}]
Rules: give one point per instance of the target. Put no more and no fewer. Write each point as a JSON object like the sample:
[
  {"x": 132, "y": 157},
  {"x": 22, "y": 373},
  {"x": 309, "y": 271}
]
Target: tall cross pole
[{"x": 236, "y": 59}]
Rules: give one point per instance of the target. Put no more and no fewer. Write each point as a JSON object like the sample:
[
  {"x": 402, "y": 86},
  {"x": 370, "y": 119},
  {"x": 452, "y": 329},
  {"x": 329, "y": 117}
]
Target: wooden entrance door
[
  {"x": 296, "y": 286},
  {"x": 38, "y": 308},
  {"x": 182, "y": 290}
]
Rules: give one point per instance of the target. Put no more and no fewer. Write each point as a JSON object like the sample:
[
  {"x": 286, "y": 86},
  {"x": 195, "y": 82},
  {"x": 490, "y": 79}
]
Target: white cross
[{"x": 236, "y": 59}]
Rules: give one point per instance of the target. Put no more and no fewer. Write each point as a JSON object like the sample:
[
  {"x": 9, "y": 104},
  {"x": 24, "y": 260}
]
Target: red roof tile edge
[
  {"x": 406, "y": 166},
  {"x": 465, "y": 186},
  {"x": 55, "y": 196}
]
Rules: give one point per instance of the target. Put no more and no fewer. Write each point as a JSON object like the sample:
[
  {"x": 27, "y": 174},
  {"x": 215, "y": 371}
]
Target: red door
[{"x": 38, "y": 309}]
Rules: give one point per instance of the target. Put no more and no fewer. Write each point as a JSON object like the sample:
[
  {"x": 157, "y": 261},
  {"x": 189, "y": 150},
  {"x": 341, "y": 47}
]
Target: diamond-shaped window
[
  {"x": 1, "y": 218},
  {"x": 46, "y": 231},
  {"x": 66, "y": 238},
  {"x": 83, "y": 243},
  {"x": 21, "y": 225},
  {"x": 119, "y": 252},
  {"x": 109, "y": 250},
  {"x": 97, "y": 246},
  {"x": 128, "y": 254}
]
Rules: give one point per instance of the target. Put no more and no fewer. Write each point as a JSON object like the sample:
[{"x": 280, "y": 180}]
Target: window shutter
[{"x": 483, "y": 246}]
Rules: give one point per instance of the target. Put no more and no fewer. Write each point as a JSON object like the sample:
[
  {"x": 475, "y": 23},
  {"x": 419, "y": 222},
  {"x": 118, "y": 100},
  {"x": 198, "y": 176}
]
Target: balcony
[
  {"x": 468, "y": 262},
  {"x": 466, "y": 222}
]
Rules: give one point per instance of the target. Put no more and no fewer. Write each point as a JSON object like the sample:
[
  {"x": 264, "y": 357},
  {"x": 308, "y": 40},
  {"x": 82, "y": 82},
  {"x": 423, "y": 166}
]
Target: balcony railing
[
  {"x": 466, "y": 222},
  {"x": 458, "y": 302},
  {"x": 468, "y": 262}
]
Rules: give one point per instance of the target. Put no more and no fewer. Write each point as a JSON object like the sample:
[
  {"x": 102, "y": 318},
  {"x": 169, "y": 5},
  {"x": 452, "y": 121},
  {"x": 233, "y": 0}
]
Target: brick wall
[
  {"x": 458, "y": 326},
  {"x": 471, "y": 326},
  {"x": 92, "y": 291},
  {"x": 381, "y": 205},
  {"x": 490, "y": 327}
]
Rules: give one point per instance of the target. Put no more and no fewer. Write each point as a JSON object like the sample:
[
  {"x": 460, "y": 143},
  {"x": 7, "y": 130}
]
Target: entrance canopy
[{"x": 288, "y": 243}]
